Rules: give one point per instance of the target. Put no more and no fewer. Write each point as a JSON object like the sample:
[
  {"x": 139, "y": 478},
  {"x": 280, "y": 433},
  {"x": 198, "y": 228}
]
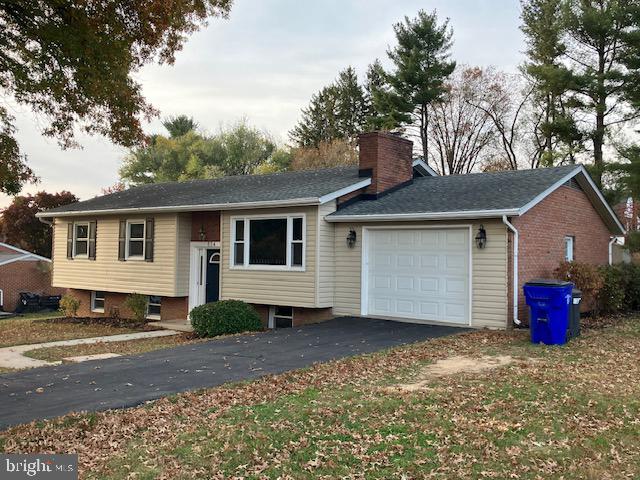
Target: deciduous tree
[
  {"x": 21, "y": 228},
  {"x": 72, "y": 61}
]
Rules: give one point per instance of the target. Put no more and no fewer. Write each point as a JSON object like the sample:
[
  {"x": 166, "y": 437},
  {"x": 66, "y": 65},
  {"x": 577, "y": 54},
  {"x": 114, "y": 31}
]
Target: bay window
[{"x": 270, "y": 243}]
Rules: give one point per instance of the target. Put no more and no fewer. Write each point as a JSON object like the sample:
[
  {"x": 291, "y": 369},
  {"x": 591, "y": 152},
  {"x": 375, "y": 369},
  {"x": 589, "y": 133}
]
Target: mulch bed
[{"x": 107, "y": 321}]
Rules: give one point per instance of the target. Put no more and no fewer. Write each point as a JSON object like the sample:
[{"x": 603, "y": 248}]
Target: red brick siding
[
  {"x": 566, "y": 212},
  {"x": 16, "y": 277},
  {"x": 389, "y": 157},
  {"x": 301, "y": 315},
  {"x": 211, "y": 223},
  {"x": 172, "y": 308}
]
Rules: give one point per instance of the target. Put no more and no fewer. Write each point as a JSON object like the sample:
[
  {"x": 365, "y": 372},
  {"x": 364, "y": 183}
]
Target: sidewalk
[{"x": 12, "y": 357}]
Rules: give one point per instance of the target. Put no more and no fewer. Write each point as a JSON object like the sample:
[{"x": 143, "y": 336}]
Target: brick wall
[
  {"x": 389, "y": 157},
  {"x": 566, "y": 212},
  {"x": 172, "y": 308},
  {"x": 211, "y": 223},
  {"x": 301, "y": 315},
  {"x": 16, "y": 277}
]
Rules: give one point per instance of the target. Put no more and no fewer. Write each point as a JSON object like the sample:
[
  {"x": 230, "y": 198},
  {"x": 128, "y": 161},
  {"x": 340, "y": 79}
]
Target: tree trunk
[{"x": 601, "y": 108}]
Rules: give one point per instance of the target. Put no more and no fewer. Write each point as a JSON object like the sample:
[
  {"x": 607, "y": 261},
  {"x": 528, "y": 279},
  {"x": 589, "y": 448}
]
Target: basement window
[
  {"x": 281, "y": 317},
  {"x": 153, "y": 307},
  {"x": 97, "y": 302}
]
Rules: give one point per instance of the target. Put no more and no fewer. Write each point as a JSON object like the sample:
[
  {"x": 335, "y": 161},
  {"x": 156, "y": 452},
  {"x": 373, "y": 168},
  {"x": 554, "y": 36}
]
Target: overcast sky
[{"x": 264, "y": 63}]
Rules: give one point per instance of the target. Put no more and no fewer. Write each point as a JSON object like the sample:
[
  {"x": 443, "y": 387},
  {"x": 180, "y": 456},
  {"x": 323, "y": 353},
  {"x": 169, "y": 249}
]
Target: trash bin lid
[
  {"x": 548, "y": 282},
  {"x": 575, "y": 293}
]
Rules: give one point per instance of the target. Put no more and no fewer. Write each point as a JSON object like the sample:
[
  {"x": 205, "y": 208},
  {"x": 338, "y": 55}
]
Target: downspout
[
  {"x": 611, "y": 242},
  {"x": 45, "y": 221},
  {"x": 515, "y": 268}
]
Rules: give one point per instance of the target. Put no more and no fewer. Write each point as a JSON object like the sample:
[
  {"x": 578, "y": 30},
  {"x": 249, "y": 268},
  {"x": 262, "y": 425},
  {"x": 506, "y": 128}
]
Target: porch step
[{"x": 179, "y": 325}]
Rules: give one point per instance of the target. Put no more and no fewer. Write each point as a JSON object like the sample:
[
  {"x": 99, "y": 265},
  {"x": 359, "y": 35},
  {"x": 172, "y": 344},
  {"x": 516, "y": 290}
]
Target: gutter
[
  {"x": 515, "y": 268},
  {"x": 421, "y": 216}
]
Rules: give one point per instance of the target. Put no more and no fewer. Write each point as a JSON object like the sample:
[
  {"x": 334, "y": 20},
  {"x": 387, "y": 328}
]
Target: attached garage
[{"x": 418, "y": 274}]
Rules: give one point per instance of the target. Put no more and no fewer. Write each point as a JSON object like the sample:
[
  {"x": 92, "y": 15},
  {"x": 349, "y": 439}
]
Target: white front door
[
  {"x": 418, "y": 274},
  {"x": 199, "y": 263}
]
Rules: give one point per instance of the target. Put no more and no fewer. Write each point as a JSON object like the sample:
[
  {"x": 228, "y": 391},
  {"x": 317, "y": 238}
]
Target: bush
[
  {"x": 631, "y": 275},
  {"x": 224, "y": 317},
  {"x": 137, "y": 303},
  {"x": 612, "y": 295},
  {"x": 585, "y": 277},
  {"x": 69, "y": 305}
]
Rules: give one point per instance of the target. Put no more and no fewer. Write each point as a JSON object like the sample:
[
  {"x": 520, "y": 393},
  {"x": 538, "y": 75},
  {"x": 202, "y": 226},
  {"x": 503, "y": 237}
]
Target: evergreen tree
[
  {"x": 544, "y": 28},
  {"x": 180, "y": 125},
  {"x": 421, "y": 67}
]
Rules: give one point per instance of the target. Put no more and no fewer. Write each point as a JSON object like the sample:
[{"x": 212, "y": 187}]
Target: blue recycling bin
[{"x": 550, "y": 304}]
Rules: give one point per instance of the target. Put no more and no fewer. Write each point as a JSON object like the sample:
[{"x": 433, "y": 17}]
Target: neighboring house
[
  {"x": 22, "y": 271},
  {"x": 388, "y": 238}
]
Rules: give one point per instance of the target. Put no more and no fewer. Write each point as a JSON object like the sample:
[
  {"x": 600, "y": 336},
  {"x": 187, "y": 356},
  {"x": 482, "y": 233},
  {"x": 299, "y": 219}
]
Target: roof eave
[{"x": 393, "y": 217}]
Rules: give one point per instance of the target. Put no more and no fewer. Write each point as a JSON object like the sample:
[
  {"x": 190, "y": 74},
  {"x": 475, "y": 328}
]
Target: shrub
[
  {"x": 585, "y": 277},
  {"x": 69, "y": 305},
  {"x": 612, "y": 295},
  {"x": 137, "y": 303},
  {"x": 631, "y": 275},
  {"x": 632, "y": 242},
  {"x": 224, "y": 317}
]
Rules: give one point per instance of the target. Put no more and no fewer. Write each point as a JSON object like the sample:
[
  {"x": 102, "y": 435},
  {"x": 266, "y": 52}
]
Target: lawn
[
  {"x": 132, "y": 347},
  {"x": 567, "y": 412},
  {"x": 31, "y": 328}
]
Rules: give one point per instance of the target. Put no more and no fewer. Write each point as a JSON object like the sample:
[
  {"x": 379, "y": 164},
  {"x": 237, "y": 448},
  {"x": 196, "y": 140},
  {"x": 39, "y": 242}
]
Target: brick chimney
[{"x": 387, "y": 159}]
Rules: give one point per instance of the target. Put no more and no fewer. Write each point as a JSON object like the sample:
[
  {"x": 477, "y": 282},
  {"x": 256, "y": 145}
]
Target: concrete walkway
[{"x": 12, "y": 357}]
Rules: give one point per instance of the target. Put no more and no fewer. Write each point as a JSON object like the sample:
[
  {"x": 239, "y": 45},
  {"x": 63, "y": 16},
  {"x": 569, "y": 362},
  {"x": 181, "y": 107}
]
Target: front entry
[
  {"x": 204, "y": 277},
  {"x": 213, "y": 276}
]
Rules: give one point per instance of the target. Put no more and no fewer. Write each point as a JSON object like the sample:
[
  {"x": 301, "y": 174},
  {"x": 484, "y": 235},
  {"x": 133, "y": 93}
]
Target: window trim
[
  {"x": 84, "y": 239},
  {"x": 127, "y": 239},
  {"x": 247, "y": 240},
  {"x": 569, "y": 239},
  {"x": 154, "y": 316},
  {"x": 93, "y": 301}
]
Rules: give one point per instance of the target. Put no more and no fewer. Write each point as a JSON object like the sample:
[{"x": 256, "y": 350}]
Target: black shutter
[
  {"x": 122, "y": 239},
  {"x": 70, "y": 241},
  {"x": 148, "y": 241},
  {"x": 92, "y": 240}
]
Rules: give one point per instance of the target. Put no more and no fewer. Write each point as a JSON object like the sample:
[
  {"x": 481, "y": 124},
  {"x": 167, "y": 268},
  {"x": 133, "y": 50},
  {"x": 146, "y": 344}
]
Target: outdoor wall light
[
  {"x": 351, "y": 238},
  {"x": 481, "y": 237},
  {"x": 202, "y": 233}
]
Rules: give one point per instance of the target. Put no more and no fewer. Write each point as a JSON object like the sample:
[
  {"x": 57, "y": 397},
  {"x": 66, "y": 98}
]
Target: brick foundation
[
  {"x": 301, "y": 316},
  {"x": 16, "y": 277},
  {"x": 565, "y": 212},
  {"x": 172, "y": 308}
]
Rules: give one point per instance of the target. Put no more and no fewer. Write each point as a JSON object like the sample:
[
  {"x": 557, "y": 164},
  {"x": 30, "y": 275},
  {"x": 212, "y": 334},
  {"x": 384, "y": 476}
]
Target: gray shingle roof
[
  {"x": 460, "y": 193},
  {"x": 222, "y": 191}
]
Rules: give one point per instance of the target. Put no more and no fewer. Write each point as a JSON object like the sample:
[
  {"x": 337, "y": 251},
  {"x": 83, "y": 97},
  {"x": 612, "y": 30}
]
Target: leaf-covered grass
[
  {"x": 132, "y": 347},
  {"x": 32, "y": 329},
  {"x": 572, "y": 412}
]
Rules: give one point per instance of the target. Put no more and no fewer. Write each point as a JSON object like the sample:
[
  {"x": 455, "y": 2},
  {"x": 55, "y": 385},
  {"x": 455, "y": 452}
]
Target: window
[
  {"x": 568, "y": 248},
  {"x": 281, "y": 317},
  {"x": 270, "y": 243},
  {"x": 80, "y": 240},
  {"x": 97, "y": 302},
  {"x": 135, "y": 239},
  {"x": 153, "y": 307},
  {"x": 238, "y": 244}
]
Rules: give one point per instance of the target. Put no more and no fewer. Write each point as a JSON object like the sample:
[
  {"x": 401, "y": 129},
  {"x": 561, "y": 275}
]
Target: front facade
[{"x": 387, "y": 239}]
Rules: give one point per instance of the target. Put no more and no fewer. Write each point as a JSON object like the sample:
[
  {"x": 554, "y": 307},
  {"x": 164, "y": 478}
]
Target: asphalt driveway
[{"x": 129, "y": 381}]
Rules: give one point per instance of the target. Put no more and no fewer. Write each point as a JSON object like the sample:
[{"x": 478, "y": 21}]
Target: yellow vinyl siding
[
  {"x": 183, "y": 239},
  {"x": 326, "y": 263},
  {"x": 109, "y": 274},
  {"x": 489, "y": 271},
  {"x": 275, "y": 287}
]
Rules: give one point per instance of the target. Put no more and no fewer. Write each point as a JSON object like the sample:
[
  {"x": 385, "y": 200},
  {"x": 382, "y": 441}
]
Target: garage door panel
[{"x": 419, "y": 274}]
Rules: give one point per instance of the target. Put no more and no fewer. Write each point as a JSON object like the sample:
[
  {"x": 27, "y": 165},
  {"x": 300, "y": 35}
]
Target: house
[
  {"x": 387, "y": 238},
  {"x": 22, "y": 271}
]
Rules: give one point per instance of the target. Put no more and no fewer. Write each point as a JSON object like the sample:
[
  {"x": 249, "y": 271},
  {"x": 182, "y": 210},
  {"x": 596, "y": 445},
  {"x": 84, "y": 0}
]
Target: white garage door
[{"x": 421, "y": 275}]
